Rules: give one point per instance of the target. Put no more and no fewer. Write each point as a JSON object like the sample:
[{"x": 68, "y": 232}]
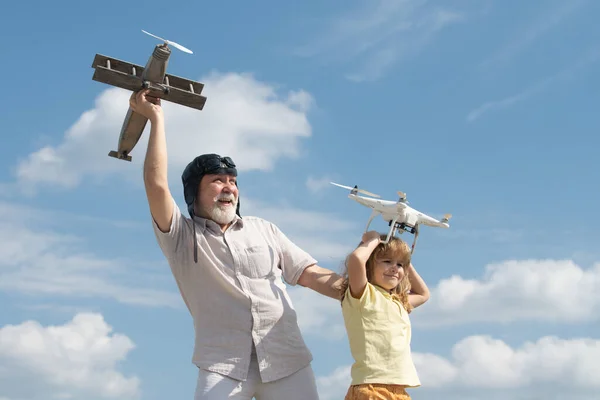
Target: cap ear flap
[
  {"x": 237, "y": 210},
  {"x": 190, "y": 192}
]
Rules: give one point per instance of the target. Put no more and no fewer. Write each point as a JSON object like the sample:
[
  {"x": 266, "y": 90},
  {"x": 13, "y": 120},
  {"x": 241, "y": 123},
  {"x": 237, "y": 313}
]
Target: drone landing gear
[
  {"x": 395, "y": 225},
  {"x": 392, "y": 232},
  {"x": 416, "y": 229},
  {"x": 406, "y": 228},
  {"x": 373, "y": 215}
]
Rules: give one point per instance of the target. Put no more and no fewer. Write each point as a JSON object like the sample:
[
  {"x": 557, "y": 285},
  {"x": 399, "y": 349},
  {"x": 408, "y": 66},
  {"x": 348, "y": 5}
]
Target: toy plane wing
[{"x": 129, "y": 76}]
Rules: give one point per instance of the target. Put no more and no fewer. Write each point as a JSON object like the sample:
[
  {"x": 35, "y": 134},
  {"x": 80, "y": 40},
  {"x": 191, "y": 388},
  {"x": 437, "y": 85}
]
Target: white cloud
[
  {"x": 528, "y": 290},
  {"x": 534, "y": 30},
  {"x": 485, "y": 362},
  {"x": 41, "y": 262},
  {"x": 434, "y": 371},
  {"x": 76, "y": 360},
  {"x": 317, "y": 185},
  {"x": 335, "y": 385},
  {"x": 505, "y": 102},
  {"x": 244, "y": 118},
  {"x": 377, "y": 36},
  {"x": 588, "y": 58},
  {"x": 482, "y": 362},
  {"x": 318, "y": 315}
]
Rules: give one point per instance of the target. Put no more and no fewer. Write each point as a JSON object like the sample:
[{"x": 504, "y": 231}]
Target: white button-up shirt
[{"x": 236, "y": 295}]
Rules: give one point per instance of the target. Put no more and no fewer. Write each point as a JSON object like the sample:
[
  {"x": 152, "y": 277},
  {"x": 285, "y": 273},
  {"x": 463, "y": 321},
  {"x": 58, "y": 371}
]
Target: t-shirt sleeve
[
  {"x": 364, "y": 300},
  {"x": 172, "y": 242},
  {"x": 293, "y": 260}
]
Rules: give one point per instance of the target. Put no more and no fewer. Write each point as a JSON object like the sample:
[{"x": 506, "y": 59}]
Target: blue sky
[{"x": 483, "y": 109}]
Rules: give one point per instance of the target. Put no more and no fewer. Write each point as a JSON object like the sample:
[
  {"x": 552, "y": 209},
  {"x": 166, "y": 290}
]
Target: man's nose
[{"x": 229, "y": 188}]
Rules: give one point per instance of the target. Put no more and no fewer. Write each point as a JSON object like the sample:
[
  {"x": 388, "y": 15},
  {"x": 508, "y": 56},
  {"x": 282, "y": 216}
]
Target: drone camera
[{"x": 403, "y": 226}]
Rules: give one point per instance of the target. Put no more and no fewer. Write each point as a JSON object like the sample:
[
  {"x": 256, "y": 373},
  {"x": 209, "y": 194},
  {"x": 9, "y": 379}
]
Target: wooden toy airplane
[{"x": 154, "y": 77}]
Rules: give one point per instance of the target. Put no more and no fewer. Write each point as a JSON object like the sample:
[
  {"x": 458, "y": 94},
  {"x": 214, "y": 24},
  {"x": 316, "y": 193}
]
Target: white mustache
[{"x": 225, "y": 196}]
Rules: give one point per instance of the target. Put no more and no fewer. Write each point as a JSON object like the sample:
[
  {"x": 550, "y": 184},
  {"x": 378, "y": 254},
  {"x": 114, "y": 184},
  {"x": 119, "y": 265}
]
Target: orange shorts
[{"x": 376, "y": 391}]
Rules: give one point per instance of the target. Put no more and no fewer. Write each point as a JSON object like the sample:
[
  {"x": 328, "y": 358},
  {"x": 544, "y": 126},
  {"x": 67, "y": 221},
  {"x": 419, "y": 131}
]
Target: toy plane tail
[{"x": 120, "y": 156}]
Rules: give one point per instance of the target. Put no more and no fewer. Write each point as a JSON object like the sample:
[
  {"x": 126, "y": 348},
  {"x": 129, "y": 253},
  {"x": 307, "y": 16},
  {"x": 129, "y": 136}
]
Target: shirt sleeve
[
  {"x": 172, "y": 243},
  {"x": 363, "y": 301},
  {"x": 293, "y": 260}
]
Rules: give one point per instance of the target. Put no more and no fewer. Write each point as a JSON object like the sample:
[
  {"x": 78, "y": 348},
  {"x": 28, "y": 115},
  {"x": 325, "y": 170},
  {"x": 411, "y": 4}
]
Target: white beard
[{"x": 220, "y": 215}]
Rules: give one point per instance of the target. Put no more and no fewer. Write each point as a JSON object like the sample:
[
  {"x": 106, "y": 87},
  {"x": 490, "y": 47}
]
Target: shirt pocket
[{"x": 261, "y": 261}]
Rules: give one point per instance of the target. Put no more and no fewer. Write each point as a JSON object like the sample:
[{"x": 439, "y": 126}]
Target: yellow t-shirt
[{"x": 379, "y": 333}]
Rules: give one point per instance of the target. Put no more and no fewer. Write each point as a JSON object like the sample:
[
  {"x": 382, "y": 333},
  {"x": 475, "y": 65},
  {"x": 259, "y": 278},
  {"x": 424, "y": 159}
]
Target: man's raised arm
[{"x": 155, "y": 163}]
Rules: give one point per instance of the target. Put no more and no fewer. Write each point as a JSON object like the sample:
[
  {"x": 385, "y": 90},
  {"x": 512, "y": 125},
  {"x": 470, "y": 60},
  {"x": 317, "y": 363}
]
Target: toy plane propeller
[
  {"x": 168, "y": 42},
  {"x": 154, "y": 77},
  {"x": 398, "y": 214}
]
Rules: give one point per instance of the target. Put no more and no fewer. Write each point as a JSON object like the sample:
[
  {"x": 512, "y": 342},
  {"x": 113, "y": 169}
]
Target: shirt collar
[
  {"x": 205, "y": 223},
  {"x": 382, "y": 290}
]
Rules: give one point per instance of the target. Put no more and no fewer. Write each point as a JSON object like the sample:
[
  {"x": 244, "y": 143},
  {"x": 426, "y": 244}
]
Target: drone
[
  {"x": 153, "y": 76},
  {"x": 399, "y": 215}
]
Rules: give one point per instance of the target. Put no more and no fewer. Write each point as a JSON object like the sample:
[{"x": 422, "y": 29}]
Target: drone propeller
[
  {"x": 446, "y": 217},
  {"x": 402, "y": 198},
  {"x": 168, "y": 42},
  {"x": 356, "y": 189}
]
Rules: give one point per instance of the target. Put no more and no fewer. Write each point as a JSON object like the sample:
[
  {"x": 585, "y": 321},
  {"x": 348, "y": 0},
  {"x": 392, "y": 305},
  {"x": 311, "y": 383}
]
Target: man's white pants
[{"x": 298, "y": 386}]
